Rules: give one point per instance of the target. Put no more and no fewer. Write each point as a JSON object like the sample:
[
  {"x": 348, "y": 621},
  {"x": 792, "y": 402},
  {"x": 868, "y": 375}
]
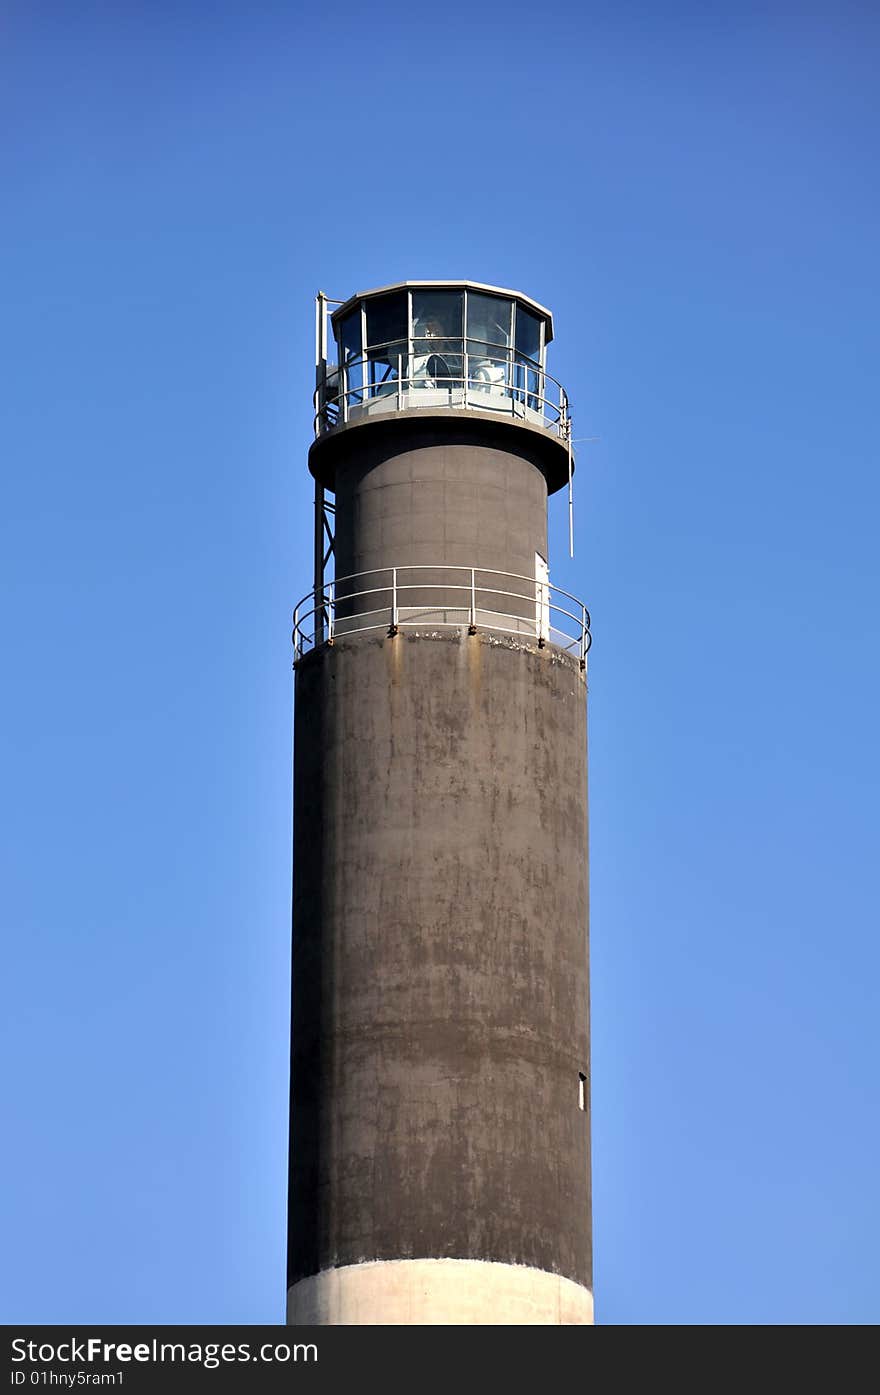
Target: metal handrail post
[
  {"x": 584, "y": 632},
  {"x": 297, "y": 638},
  {"x": 472, "y": 621},
  {"x": 393, "y": 600},
  {"x": 331, "y": 617},
  {"x": 400, "y": 382},
  {"x": 318, "y": 572}
]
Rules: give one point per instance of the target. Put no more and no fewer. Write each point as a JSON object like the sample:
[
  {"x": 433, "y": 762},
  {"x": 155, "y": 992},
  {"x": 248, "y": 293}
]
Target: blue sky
[{"x": 692, "y": 189}]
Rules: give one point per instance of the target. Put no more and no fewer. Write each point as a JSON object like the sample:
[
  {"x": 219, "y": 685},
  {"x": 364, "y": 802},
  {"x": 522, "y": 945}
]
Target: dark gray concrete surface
[
  {"x": 450, "y": 500},
  {"x": 440, "y": 979},
  {"x": 438, "y": 497},
  {"x": 539, "y": 443}
]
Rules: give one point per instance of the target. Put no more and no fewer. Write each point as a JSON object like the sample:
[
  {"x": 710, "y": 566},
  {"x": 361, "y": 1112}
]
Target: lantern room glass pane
[
  {"x": 528, "y": 335},
  {"x": 437, "y": 314},
  {"x": 437, "y": 363},
  {"x": 384, "y": 366},
  {"x": 348, "y": 336},
  {"x": 386, "y": 318},
  {"x": 488, "y": 321}
]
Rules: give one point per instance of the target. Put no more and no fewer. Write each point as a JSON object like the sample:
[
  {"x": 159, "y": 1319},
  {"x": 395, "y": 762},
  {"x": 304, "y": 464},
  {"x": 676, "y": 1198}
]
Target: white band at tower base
[{"x": 430, "y": 1292}]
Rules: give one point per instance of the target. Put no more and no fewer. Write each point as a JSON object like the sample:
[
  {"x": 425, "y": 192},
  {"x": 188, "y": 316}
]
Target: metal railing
[
  {"x": 443, "y": 376},
  {"x": 410, "y": 597}
]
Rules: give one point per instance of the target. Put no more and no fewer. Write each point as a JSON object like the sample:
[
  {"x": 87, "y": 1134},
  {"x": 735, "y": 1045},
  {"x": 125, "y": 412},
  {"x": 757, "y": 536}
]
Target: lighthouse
[{"x": 440, "y": 1056}]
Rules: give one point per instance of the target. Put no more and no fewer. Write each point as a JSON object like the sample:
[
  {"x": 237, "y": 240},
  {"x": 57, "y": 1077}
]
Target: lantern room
[{"x": 435, "y": 345}]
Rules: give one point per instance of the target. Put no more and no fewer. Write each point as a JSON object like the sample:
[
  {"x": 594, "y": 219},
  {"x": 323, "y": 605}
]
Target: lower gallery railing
[{"x": 436, "y": 596}]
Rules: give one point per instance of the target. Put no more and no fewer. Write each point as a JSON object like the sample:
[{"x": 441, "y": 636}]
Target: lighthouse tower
[{"x": 440, "y": 1082}]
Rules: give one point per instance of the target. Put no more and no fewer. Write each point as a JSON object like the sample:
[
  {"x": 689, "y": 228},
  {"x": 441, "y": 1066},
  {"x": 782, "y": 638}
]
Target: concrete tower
[{"x": 440, "y": 1161}]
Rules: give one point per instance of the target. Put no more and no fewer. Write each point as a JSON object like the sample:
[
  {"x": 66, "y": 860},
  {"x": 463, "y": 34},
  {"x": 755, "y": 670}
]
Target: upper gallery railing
[{"x": 452, "y": 373}]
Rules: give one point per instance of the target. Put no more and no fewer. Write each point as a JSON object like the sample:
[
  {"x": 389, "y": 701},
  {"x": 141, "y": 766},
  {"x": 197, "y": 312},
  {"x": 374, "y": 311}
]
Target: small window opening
[{"x": 582, "y": 1090}]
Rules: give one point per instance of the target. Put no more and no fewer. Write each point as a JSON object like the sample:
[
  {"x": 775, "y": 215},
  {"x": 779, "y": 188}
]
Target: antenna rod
[
  {"x": 570, "y": 499},
  {"x": 570, "y": 489}
]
